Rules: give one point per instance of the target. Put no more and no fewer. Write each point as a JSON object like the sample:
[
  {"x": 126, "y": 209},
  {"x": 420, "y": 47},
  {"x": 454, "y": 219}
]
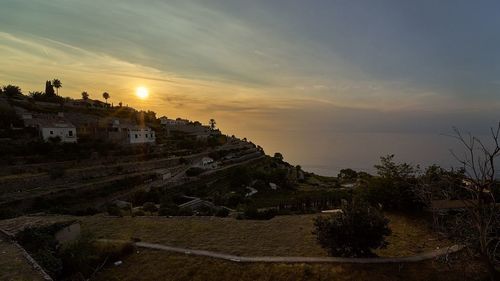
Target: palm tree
[
  {"x": 105, "y": 95},
  {"x": 57, "y": 84},
  {"x": 85, "y": 95}
]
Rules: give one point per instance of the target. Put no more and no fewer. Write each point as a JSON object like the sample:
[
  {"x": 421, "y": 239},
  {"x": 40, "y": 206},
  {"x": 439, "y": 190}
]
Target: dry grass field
[
  {"x": 280, "y": 236},
  {"x": 13, "y": 265},
  {"x": 156, "y": 265}
]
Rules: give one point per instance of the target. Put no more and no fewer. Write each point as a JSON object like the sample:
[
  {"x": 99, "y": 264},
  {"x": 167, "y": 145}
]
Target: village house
[
  {"x": 141, "y": 134},
  {"x": 118, "y": 131},
  {"x": 165, "y": 121},
  {"x": 206, "y": 161},
  {"x": 63, "y": 130},
  {"x": 51, "y": 127}
]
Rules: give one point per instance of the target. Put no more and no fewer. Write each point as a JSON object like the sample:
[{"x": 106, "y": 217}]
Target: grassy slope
[
  {"x": 13, "y": 265},
  {"x": 283, "y": 235},
  {"x": 157, "y": 265}
]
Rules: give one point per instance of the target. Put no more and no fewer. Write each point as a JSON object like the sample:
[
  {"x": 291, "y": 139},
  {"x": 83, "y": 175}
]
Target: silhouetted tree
[
  {"x": 49, "y": 89},
  {"x": 347, "y": 174},
  {"x": 56, "y": 83},
  {"x": 11, "y": 90},
  {"x": 278, "y": 156},
  {"x": 212, "y": 124},
  {"x": 106, "y": 96},
  {"x": 120, "y": 104},
  {"x": 85, "y": 95},
  {"x": 479, "y": 226}
]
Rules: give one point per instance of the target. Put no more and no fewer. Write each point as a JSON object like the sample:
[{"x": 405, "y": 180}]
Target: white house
[
  {"x": 205, "y": 161},
  {"x": 138, "y": 135},
  {"x": 171, "y": 122},
  {"x": 62, "y": 129}
]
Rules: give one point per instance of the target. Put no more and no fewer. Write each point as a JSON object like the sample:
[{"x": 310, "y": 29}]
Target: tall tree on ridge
[
  {"x": 57, "y": 84},
  {"x": 49, "y": 89},
  {"x": 85, "y": 95},
  {"x": 212, "y": 124}
]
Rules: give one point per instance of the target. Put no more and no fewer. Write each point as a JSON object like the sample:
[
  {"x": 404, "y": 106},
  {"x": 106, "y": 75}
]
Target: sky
[{"x": 328, "y": 83}]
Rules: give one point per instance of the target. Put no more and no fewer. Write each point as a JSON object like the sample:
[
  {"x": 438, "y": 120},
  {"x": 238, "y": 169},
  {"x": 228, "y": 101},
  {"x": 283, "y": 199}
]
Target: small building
[
  {"x": 206, "y": 161},
  {"x": 165, "y": 121},
  {"x": 58, "y": 129},
  {"x": 180, "y": 121},
  {"x": 140, "y": 134}
]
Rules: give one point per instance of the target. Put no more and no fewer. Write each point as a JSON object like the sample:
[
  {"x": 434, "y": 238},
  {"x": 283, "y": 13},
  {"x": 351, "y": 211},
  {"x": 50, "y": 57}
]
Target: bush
[
  {"x": 353, "y": 233},
  {"x": 83, "y": 256},
  {"x": 205, "y": 211},
  {"x": 114, "y": 211},
  {"x": 149, "y": 207},
  {"x": 254, "y": 214},
  {"x": 222, "y": 213},
  {"x": 138, "y": 213},
  {"x": 393, "y": 194},
  {"x": 194, "y": 171},
  {"x": 168, "y": 209},
  {"x": 185, "y": 212}
]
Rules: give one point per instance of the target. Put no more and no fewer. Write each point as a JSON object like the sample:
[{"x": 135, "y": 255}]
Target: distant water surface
[{"x": 328, "y": 152}]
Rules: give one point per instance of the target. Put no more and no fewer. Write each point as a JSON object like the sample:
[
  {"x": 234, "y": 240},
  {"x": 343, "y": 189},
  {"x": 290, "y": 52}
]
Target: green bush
[{"x": 353, "y": 233}]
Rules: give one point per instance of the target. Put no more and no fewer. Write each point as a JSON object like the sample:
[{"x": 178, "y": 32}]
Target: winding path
[{"x": 278, "y": 259}]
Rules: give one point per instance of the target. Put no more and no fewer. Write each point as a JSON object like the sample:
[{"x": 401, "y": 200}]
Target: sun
[{"x": 142, "y": 92}]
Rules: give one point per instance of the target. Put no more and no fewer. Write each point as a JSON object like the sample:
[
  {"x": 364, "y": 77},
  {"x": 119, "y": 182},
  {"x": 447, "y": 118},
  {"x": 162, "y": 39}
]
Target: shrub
[
  {"x": 254, "y": 214},
  {"x": 354, "y": 232},
  {"x": 149, "y": 207},
  {"x": 205, "y": 211},
  {"x": 194, "y": 171},
  {"x": 222, "y": 212},
  {"x": 138, "y": 213},
  {"x": 114, "y": 211},
  {"x": 168, "y": 209},
  {"x": 83, "y": 256},
  {"x": 185, "y": 212}
]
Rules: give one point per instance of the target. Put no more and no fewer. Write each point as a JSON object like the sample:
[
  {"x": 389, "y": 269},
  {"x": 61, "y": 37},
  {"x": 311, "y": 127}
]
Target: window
[
  {"x": 135, "y": 135},
  {"x": 70, "y": 133},
  {"x": 146, "y": 135},
  {"x": 51, "y": 132}
]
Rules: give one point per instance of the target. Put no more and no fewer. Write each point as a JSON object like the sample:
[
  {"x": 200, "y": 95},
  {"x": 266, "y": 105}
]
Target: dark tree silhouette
[
  {"x": 56, "y": 83},
  {"x": 49, "y": 89},
  {"x": 85, "y": 95},
  {"x": 278, "y": 156},
  {"x": 106, "y": 96},
  {"x": 11, "y": 90},
  {"x": 479, "y": 227},
  {"x": 212, "y": 124},
  {"x": 354, "y": 232}
]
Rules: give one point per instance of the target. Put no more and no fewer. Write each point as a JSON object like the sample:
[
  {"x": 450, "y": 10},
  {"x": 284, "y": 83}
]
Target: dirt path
[{"x": 270, "y": 259}]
